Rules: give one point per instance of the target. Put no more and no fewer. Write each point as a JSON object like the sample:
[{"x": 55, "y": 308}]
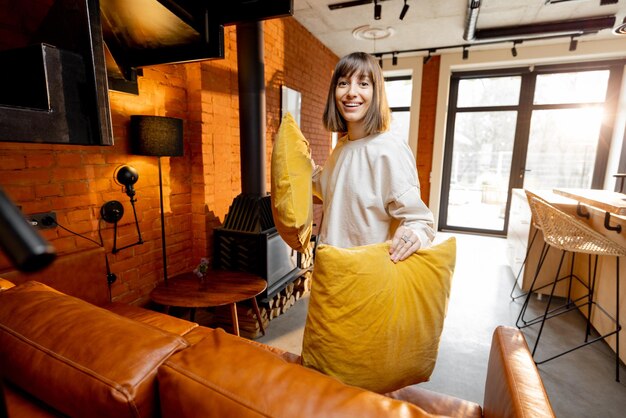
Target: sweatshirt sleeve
[
  {"x": 412, "y": 213},
  {"x": 315, "y": 178},
  {"x": 403, "y": 201}
]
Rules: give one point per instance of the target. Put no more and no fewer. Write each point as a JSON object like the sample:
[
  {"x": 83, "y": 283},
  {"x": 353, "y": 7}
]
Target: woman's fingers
[{"x": 404, "y": 243}]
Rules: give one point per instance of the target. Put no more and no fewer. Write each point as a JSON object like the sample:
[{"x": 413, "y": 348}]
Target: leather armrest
[
  {"x": 5, "y": 284},
  {"x": 514, "y": 387}
]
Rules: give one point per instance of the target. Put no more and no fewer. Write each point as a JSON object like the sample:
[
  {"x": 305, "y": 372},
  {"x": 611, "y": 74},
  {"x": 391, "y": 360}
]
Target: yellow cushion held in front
[
  {"x": 291, "y": 187},
  {"x": 375, "y": 324}
]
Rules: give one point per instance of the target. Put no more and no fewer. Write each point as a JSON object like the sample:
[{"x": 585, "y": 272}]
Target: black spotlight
[
  {"x": 127, "y": 176},
  {"x": 377, "y": 10},
  {"x": 405, "y": 9}
]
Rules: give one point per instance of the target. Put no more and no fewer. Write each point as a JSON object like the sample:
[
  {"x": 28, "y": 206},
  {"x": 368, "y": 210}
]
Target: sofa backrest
[
  {"x": 224, "y": 376},
  {"x": 82, "y": 275},
  {"x": 79, "y": 359}
]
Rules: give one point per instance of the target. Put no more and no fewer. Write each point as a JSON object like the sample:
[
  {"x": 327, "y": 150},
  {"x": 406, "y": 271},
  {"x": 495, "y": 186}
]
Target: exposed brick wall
[
  {"x": 426, "y": 134},
  {"x": 75, "y": 181}
]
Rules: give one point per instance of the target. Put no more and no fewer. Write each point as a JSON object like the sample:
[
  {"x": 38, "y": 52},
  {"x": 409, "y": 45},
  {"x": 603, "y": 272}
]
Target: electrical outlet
[{"x": 45, "y": 220}]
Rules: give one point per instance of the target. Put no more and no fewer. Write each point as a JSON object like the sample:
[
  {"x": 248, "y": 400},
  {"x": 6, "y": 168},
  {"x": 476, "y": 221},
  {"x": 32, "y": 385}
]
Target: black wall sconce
[
  {"x": 112, "y": 211},
  {"x": 157, "y": 136}
]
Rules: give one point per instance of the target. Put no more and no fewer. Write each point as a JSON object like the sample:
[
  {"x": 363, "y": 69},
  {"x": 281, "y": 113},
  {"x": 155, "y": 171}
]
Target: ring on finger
[{"x": 406, "y": 239}]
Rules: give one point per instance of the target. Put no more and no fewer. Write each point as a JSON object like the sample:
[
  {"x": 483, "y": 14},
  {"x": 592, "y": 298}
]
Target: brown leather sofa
[{"x": 60, "y": 355}]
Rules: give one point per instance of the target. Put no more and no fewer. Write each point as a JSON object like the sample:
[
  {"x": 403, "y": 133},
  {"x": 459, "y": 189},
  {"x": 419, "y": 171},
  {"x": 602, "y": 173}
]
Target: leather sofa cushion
[
  {"x": 224, "y": 376},
  {"x": 80, "y": 359},
  {"x": 21, "y": 404},
  {"x": 437, "y": 403},
  {"x": 156, "y": 319}
]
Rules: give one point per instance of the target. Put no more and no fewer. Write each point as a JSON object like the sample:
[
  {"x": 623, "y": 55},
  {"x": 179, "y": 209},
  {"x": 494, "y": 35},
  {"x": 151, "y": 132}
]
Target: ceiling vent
[{"x": 620, "y": 29}]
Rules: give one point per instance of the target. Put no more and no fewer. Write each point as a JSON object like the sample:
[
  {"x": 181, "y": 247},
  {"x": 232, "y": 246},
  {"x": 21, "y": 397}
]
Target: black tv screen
[{"x": 53, "y": 86}]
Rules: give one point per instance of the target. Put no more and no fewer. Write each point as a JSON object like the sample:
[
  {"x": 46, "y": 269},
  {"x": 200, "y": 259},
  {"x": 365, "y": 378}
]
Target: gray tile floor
[{"x": 579, "y": 384}]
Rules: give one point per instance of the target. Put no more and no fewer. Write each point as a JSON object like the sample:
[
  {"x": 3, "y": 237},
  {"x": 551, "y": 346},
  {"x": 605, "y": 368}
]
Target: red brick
[
  {"x": 50, "y": 189},
  {"x": 12, "y": 162}
]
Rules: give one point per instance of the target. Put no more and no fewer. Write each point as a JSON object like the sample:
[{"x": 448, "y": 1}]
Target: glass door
[
  {"x": 566, "y": 122},
  {"x": 478, "y": 160},
  {"x": 537, "y": 128}
]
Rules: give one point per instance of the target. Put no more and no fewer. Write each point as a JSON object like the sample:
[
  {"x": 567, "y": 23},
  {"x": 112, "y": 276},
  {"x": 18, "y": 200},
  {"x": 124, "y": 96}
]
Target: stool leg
[
  {"x": 530, "y": 246},
  {"x": 542, "y": 257},
  {"x": 543, "y": 321},
  {"x": 591, "y": 289},
  {"x": 619, "y": 327},
  {"x": 571, "y": 276}
]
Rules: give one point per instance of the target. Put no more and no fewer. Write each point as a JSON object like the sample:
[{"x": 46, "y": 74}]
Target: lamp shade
[{"x": 156, "y": 135}]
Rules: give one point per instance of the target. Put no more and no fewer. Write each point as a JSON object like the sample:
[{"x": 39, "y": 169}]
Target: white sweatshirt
[{"x": 369, "y": 187}]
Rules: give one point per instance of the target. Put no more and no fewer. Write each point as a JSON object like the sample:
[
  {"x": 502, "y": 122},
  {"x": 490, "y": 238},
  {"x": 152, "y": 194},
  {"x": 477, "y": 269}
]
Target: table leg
[
  {"x": 258, "y": 315},
  {"x": 233, "y": 314}
]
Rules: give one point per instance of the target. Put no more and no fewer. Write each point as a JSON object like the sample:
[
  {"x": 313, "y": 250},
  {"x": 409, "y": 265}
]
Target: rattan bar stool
[
  {"x": 566, "y": 232},
  {"x": 521, "y": 321}
]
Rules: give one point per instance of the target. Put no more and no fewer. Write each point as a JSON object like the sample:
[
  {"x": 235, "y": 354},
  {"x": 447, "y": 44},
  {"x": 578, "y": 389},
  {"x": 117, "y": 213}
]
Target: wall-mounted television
[{"x": 53, "y": 86}]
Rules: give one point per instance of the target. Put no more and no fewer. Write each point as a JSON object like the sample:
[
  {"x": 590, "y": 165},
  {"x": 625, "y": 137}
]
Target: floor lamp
[{"x": 158, "y": 136}]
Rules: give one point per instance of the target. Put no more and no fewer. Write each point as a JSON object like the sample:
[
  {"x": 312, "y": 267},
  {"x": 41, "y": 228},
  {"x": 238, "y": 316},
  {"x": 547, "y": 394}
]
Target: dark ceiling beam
[
  {"x": 566, "y": 27},
  {"x": 575, "y": 27}
]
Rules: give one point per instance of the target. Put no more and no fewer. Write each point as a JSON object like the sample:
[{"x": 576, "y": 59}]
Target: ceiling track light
[
  {"x": 394, "y": 59},
  {"x": 573, "y": 44},
  {"x": 377, "y": 10},
  {"x": 514, "y": 49},
  {"x": 405, "y": 9},
  {"x": 465, "y": 53}
]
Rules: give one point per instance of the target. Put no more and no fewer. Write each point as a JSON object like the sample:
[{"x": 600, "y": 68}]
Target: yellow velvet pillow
[
  {"x": 375, "y": 324},
  {"x": 292, "y": 191}
]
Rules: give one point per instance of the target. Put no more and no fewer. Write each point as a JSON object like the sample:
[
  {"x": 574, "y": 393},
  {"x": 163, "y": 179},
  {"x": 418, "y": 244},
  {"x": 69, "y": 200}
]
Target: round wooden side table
[{"x": 217, "y": 288}]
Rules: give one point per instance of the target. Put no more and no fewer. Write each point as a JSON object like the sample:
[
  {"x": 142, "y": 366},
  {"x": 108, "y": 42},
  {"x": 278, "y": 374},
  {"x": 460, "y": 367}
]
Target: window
[
  {"x": 540, "y": 128},
  {"x": 399, "y": 94}
]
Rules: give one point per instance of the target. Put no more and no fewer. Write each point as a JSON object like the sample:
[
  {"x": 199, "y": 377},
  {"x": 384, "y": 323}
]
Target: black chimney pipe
[{"x": 251, "y": 79}]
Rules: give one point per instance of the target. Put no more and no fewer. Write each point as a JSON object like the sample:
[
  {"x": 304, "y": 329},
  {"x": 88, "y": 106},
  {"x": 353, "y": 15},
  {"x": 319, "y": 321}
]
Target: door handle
[{"x": 522, "y": 171}]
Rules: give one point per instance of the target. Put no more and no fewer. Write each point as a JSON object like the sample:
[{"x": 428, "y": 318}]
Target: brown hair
[{"x": 378, "y": 117}]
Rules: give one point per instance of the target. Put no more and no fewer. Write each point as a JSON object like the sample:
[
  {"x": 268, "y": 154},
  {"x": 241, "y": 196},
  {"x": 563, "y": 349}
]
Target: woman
[{"x": 369, "y": 185}]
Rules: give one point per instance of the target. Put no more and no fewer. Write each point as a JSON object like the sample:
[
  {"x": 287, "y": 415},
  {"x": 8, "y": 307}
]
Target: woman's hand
[{"x": 404, "y": 243}]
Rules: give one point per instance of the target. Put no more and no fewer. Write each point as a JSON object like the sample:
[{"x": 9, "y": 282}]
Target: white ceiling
[{"x": 438, "y": 23}]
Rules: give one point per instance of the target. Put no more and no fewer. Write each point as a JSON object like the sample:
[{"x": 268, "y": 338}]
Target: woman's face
[{"x": 353, "y": 97}]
